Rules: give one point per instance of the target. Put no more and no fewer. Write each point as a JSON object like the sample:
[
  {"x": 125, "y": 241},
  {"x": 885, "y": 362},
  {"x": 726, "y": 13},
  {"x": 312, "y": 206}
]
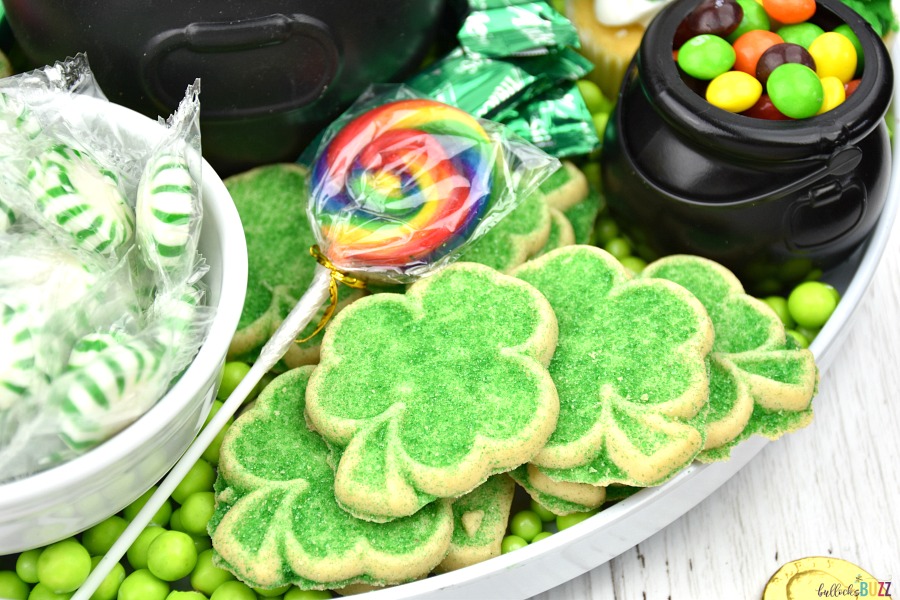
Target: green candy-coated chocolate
[
  {"x": 706, "y": 56},
  {"x": 795, "y": 90}
]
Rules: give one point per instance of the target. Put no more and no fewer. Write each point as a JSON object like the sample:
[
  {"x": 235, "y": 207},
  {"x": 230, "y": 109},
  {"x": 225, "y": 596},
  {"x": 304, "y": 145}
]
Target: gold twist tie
[{"x": 336, "y": 277}]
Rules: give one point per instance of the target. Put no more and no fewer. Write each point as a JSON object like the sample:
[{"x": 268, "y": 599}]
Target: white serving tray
[{"x": 574, "y": 551}]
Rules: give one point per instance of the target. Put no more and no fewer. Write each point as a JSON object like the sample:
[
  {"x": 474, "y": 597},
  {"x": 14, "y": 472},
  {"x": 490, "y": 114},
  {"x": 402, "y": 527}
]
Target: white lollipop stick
[{"x": 271, "y": 353}]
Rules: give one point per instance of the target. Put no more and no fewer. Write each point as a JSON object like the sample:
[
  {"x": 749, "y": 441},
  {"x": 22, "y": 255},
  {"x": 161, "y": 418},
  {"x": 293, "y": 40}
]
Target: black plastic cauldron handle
[{"x": 234, "y": 36}]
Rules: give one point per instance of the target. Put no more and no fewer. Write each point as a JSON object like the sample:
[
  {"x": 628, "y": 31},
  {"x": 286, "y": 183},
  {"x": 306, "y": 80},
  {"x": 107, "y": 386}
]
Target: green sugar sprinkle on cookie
[
  {"x": 515, "y": 239},
  {"x": 479, "y": 523},
  {"x": 565, "y": 188},
  {"x": 583, "y": 216},
  {"x": 629, "y": 369},
  {"x": 433, "y": 391},
  {"x": 271, "y": 203},
  {"x": 756, "y": 374},
  {"x": 561, "y": 232},
  {"x": 276, "y": 520}
]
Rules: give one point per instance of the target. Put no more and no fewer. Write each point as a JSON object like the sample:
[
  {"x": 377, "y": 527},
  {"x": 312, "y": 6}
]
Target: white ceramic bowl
[{"x": 71, "y": 497}]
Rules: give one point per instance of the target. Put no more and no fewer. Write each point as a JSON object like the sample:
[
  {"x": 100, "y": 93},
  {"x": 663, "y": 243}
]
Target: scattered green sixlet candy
[
  {"x": 143, "y": 585},
  {"x": 109, "y": 588},
  {"x": 137, "y": 553},
  {"x": 634, "y": 264},
  {"x": 811, "y": 304},
  {"x": 42, "y": 592},
  {"x": 273, "y": 592},
  {"x": 606, "y": 230},
  {"x": 526, "y": 525},
  {"x": 233, "y": 590},
  {"x": 618, "y": 247},
  {"x": 196, "y": 511},
  {"x": 545, "y": 515},
  {"x": 541, "y": 536},
  {"x": 232, "y": 374},
  {"x": 172, "y": 556},
  {"x": 211, "y": 454},
  {"x": 780, "y": 306},
  {"x": 26, "y": 565},
  {"x": 706, "y": 56},
  {"x": 594, "y": 99},
  {"x": 510, "y": 543},
  {"x": 161, "y": 517},
  {"x": 206, "y": 577},
  {"x": 566, "y": 521},
  {"x": 199, "y": 479},
  {"x": 180, "y": 595},
  {"x": 795, "y": 90},
  {"x": 63, "y": 566},
  {"x": 100, "y": 538},
  {"x": 798, "y": 337},
  {"x": 12, "y": 587}
]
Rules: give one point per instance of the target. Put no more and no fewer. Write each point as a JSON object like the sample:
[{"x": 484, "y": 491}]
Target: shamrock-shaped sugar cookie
[
  {"x": 759, "y": 383},
  {"x": 559, "y": 497},
  {"x": 270, "y": 201},
  {"x": 276, "y": 519},
  {"x": 433, "y": 391},
  {"x": 629, "y": 369},
  {"x": 516, "y": 238}
]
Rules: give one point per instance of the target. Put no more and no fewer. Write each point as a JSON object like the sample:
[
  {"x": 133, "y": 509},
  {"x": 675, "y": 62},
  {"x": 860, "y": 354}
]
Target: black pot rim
[{"x": 690, "y": 114}]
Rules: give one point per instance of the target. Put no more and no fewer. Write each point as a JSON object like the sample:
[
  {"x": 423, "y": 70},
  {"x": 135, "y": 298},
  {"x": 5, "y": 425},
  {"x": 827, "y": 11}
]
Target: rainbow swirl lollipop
[{"x": 402, "y": 185}]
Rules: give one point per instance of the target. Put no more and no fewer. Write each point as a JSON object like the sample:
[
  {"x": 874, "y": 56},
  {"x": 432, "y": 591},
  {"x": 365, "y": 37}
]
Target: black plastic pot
[
  {"x": 273, "y": 72},
  {"x": 772, "y": 200}
]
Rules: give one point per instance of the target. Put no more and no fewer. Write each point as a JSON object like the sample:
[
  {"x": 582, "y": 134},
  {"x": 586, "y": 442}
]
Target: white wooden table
[{"x": 830, "y": 489}]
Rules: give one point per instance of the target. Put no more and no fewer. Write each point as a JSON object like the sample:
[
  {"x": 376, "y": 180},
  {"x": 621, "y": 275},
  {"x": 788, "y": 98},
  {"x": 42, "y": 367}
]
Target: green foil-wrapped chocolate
[
  {"x": 523, "y": 29},
  {"x": 558, "y": 122},
  {"x": 485, "y": 87}
]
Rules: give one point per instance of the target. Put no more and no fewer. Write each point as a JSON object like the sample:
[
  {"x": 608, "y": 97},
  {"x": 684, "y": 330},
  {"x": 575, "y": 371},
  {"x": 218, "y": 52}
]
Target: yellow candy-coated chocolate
[
  {"x": 734, "y": 91},
  {"x": 833, "y": 92},
  {"x": 817, "y": 577},
  {"x": 835, "y": 56}
]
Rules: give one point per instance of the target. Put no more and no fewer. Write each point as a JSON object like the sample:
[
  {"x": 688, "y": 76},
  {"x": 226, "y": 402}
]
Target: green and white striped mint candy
[
  {"x": 165, "y": 212},
  {"x": 121, "y": 376},
  {"x": 83, "y": 198},
  {"x": 179, "y": 317},
  {"x": 16, "y": 117},
  {"x": 87, "y": 348},
  {"x": 18, "y": 368},
  {"x": 7, "y": 216}
]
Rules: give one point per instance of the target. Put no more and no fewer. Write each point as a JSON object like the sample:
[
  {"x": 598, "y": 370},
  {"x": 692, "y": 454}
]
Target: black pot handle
[{"x": 235, "y": 36}]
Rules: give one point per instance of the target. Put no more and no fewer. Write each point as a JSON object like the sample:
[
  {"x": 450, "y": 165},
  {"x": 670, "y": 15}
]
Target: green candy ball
[
  {"x": 510, "y": 543},
  {"x": 42, "y": 592},
  {"x": 594, "y": 99},
  {"x": 706, "y": 56},
  {"x": 606, "y": 230},
  {"x": 63, "y": 566},
  {"x": 273, "y": 592},
  {"x": 526, "y": 525},
  {"x": 160, "y": 517},
  {"x": 538, "y": 508},
  {"x": 780, "y": 306},
  {"x": 795, "y": 90},
  {"x": 618, "y": 247},
  {"x": 172, "y": 555},
  {"x": 566, "y": 521},
  {"x": 811, "y": 304},
  {"x": 206, "y": 576},
  {"x": 196, "y": 511},
  {"x": 199, "y": 478},
  {"x": 26, "y": 565},
  {"x": 12, "y": 587},
  {"x": 541, "y": 536},
  {"x": 847, "y": 31},
  {"x": 143, "y": 585},
  {"x": 100, "y": 538},
  {"x": 633, "y": 263},
  {"x": 755, "y": 17},
  {"x": 211, "y": 454},
  {"x": 137, "y": 553},
  {"x": 232, "y": 374},
  {"x": 798, "y": 337},
  {"x": 233, "y": 590},
  {"x": 801, "y": 34},
  {"x": 179, "y": 595},
  {"x": 109, "y": 587}
]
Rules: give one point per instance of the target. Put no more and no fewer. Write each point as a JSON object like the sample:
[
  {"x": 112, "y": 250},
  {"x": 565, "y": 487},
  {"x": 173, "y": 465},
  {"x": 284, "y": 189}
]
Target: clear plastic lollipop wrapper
[{"x": 400, "y": 186}]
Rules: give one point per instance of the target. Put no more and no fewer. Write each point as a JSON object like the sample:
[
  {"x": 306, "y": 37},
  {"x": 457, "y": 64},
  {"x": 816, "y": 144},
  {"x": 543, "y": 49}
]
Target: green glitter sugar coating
[
  {"x": 433, "y": 391},
  {"x": 515, "y": 239},
  {"x": 629, "y": 369},
  {"x": 276, "y": 519},
  {"x": 271, "y": 202},
  {"x": 756, "y": 374},
  {"x": 583, "y": 216}
]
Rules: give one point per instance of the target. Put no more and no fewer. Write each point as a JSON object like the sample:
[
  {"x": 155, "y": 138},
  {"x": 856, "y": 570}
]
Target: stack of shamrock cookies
[{"x": 536, "y": 358}]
